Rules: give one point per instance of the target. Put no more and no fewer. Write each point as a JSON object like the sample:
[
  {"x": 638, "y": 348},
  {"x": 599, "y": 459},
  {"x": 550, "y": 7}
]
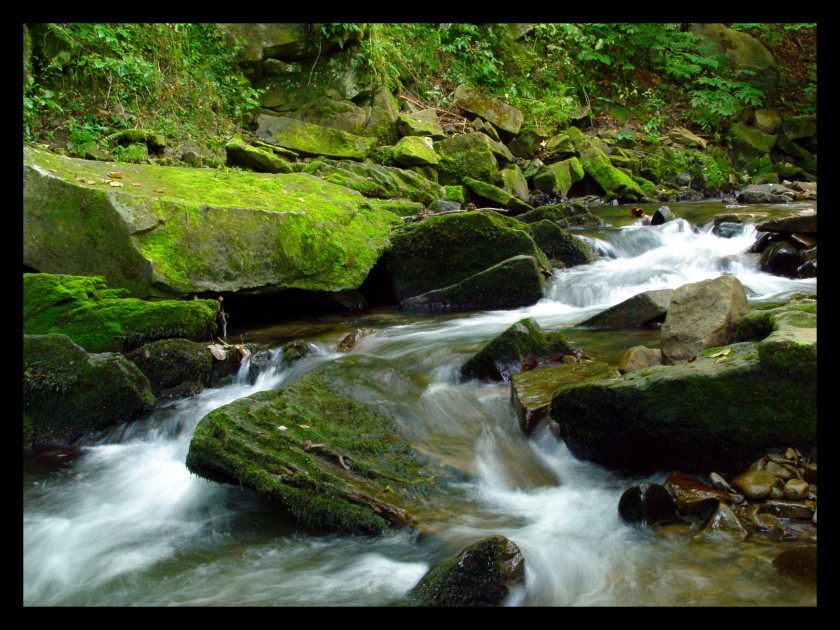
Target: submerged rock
[
  {"x": 642, "y": 310},
  {"x": 483, "y": 574},
  {"x": 68, "y": 392},
  {"x": 333, "y": 463}
]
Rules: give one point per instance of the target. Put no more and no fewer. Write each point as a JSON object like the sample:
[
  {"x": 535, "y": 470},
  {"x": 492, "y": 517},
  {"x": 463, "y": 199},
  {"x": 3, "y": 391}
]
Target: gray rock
[
  {"x": 702, "y": 315},
  {"x": 641, "y": 310}
]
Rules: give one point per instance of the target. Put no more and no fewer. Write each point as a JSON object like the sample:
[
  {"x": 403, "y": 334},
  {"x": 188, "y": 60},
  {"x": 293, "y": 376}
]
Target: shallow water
[{"x": 125, "y": 523}]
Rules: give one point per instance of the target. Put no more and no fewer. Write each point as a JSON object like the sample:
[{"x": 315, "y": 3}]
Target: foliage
[
  {"x": 717, "y": 98},
  {"x": 176, "y": 78}
]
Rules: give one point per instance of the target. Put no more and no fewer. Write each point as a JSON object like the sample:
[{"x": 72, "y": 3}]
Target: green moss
[
  {"x": 561, "y": 246},
  {"x": 75, "y": 306},
  {"x": 454, "y": 193},
  {"x": 265, "y": 442},
  {"x": 445, "y": 250}
]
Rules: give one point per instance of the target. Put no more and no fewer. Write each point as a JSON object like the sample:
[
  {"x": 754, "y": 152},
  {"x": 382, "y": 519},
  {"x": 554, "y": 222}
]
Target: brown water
[{"x": 122, "y": 522}]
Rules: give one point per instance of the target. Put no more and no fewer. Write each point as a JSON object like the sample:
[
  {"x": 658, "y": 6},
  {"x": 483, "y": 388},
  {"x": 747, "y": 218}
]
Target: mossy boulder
[
  {"x": 175, "y": 368},
  {"x": 522, "y": 346},
  {"x": 467, "y": 155},
  {"x": 512, "y": 283},
  {"x": 104, "y": 320},
  {"x": 311, "y": 139},
  {"x": 559, "y": 177},
  {"x": 375, "y": 180},
  {"x": 616, "y": 183},
  {"x": 562, "y": 248},
  {"x": 68, "y": 392},
  {"x": 415, "y": 151},
  {"x": 180, "y": 231},
  {"x": 444, "y": 250},
  {"x": 695, "y": 417},
  {"x": 515, "y": 182},
  {"x": 331, "y": 462},
  {"x": 495, "y": 195},
  {"x": 483, "y": 574},
  {"x": 751, "y": 140},
  {"x": 260, "y": 160},
  {"x": 422, "y": 123},
  {"x": 506, "y": 118}
]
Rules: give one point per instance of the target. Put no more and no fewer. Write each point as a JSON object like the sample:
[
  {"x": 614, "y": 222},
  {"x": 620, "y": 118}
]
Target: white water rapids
[{"x": 127, "y": 524}]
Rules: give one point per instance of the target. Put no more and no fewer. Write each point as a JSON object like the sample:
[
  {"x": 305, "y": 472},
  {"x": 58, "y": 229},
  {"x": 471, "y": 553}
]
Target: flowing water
[{"x": 123, "y": 522}]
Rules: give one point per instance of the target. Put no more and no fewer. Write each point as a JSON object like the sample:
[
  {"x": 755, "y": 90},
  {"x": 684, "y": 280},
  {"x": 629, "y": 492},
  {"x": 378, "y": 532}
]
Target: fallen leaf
[
  {"x": 694, "y": 358},
  {"x": 160, "y": 190},
  {"x": 722, "y": 353},
  {"x": 115, "y": 174},
  {"x": 113, "y": 183},
  {"x": 301, "y": 199},
  {"x": 89, "y": 181},
  {"x": 136, "y": 184},
  {"x": 52, "y": 170},
  {"x": 720, "y": 360},
  {"x": 303, "y": 426},
  {"x": 282, "y": 428}
]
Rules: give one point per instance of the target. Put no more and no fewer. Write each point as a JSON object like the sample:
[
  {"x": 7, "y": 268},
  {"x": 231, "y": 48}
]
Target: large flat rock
[{"x": 177, "y": 231}]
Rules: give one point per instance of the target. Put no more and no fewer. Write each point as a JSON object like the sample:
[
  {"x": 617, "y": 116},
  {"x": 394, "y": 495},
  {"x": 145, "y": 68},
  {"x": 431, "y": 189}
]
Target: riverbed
[{"x": 121, "y": 522}]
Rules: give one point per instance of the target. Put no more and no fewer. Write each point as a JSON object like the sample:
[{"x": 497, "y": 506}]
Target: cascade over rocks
[{"x": 720, "y": 411}]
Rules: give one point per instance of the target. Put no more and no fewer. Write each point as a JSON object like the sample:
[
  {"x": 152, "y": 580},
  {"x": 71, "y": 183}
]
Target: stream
[{"x": 122, "y": 522}]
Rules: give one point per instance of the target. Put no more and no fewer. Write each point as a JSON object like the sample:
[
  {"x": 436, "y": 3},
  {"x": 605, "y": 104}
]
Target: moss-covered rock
[
  {"x": 104, "y": 320},
  {"x": 186, "y": 230},
  {"x": 422, "y": 123},
  {"x": 175, "y": 368},
  {"x": 750, "y": 140},
  {"x": 506, "y": 118},
  {"x": 562, "y": 248},
  {"x": 522, "y": 346},
  {"x": 720, "y": 412},
  {"x": 596, "y": 164},
  {"x": 311, "y": 139},
  {"x": 445, "y": 250},
  {"x": 495, "y": 195},
  {"x": 483, "y": 574},
  {"x": 375, "y": 180},
  {"x": 260, "y": 160},
  {"x": 512, "y": 283},
  {"x": 467, "y": 155},
  {"x": 415, "y": 151},
  {"x": 68, "y": 392},
  {"x": 559, "y": 177},
  {"x": 333, "y": 463},
  {"x": 515, "y": 182}
]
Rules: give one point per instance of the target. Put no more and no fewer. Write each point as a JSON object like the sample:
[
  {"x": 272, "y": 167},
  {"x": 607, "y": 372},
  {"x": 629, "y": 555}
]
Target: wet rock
[
  {"x": 781, "y": 471},
  {"x": 348, "y": 341},
  {"x": 260, "y": 362},
  {"x": 811, "y": 473},
  {"x": 648, "y": 504},
  {"x": 804, "y": 221},
  {"x": 781, "y": 259},
  {"x": 796, "y": 489},
  {"x": 755, "y": 484},
  {"x": 641, "y": 310},
  {"x": 561, "y": 247},
  {"x": 481, "y": 575},
  {"x": 718, "y": 481},
  {"x": 522, "y": 346},
  {"x": 799, "y": 563},
  {"x": 702, "y": 315},
  {"x": 766, "y": 193},
  {"x": 662, "y": 215},
  {"x": 692, "y": 496},
  {"x": 783, "y": 508},
  {"x": 723, "y": 519}
]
